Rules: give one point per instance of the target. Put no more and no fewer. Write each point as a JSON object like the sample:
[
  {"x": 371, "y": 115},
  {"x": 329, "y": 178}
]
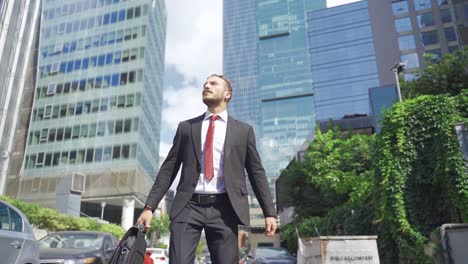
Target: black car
[
  {"x": 271, "y": 255},
  {"x": 77, "y": 247}
]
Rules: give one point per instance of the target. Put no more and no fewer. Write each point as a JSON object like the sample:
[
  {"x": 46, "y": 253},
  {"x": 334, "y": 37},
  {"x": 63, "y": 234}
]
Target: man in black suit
[{"x": 215, "y": 150}]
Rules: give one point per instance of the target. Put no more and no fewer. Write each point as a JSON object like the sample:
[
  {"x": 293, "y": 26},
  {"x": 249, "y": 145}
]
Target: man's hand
[
  {"x": 270, "y": 226},
  {"x": 145, "y": 218}
]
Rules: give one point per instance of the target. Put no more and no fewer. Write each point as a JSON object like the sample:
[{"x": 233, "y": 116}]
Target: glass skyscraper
[
  {"x": 266, "y": 58},
  {"x": 240, "y": 60},
  {"x": 285, "y": 80},
  {"x": 343, "y": 58},
  {"x": 97, "y": 102}
]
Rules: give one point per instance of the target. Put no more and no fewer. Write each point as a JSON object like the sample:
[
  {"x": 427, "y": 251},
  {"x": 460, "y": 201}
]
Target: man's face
[{"x": 215, "y": 91}]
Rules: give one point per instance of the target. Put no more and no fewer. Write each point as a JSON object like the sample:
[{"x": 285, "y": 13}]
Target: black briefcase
[{"x": 131, "y": 248}]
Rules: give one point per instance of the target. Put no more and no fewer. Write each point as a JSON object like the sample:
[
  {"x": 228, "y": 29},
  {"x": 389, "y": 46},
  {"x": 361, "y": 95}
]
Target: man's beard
[{"x": 211, "y": 101}]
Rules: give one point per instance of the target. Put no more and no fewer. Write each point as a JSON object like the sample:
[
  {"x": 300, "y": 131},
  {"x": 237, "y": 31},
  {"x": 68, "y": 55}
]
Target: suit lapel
[
  {"x": 230, "y": 136},
  {"x": 196, "y": 136}
]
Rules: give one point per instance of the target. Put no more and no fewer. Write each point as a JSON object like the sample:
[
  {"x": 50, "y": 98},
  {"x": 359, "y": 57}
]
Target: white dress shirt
[{"x": 216, "y": 185}]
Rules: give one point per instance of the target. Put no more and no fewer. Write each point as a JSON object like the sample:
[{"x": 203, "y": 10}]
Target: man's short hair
[{"x": 229, "y": 86}]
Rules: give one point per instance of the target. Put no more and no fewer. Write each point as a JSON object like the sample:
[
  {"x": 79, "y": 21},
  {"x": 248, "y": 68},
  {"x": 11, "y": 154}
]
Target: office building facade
[
  {"x": 97, "y": 103},
  {"x": 266, "y": 58},
  {"x": 343, "y": 59},
  {"x": 19, "y": 22},
  {"x": 285, "y": 80},
  {"x": 354, "y": 47},
  {"x": 240, "y": 60}
]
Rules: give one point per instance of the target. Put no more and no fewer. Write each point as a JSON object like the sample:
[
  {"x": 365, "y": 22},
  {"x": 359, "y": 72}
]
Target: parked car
[
  {"x": 17, "y": 242},
  {"x": 271, "y": 255},
  {"x": 159, "y": 255},
  {"x": 77, "y": 247}
]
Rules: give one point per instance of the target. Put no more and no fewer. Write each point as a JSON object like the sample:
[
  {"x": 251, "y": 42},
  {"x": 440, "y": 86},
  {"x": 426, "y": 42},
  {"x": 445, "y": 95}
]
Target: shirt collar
[{"x": 223, "y": 115}]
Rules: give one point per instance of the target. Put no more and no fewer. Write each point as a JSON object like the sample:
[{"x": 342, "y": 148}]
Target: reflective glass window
[
  {"x": 400, "y": 7},
  {"x": 101, "y": 60},
  {"x": 452, "y": 49},
  {"x": 406, "y": 42},
  {"x": 465, "y": 8},
  {"x": 115, "y": 79},
  {"x": 442, "y": 2},
  {"x": 411, "y": 60},
  {"x": 114, "y": 17},
  {"x": 98, "y": 154},
  {"x": 450, "y": 34},
  {"x": 434, "y": 55},
  {"x": 422, "y": 4},
  {"x": 121, "y": 15},
  {"x": 429, "y": 37},
  {"x": 403, "y": 24},
  {"x": 106, "y": 19},
  {"x": 445, "y": 15},
  {"x": 425, "y": 20}
]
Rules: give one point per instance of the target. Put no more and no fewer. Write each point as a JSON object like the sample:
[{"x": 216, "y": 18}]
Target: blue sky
[{"x": 193, "y": 52}]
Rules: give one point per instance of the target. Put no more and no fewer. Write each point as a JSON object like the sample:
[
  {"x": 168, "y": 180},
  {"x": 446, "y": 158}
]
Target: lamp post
[
  {"x": 398, "y": 68},
  {"x": 103, "y": 204}
]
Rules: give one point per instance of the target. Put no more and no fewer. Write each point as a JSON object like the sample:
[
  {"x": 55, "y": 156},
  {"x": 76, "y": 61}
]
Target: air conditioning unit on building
[{"x": 78, "y": 182}]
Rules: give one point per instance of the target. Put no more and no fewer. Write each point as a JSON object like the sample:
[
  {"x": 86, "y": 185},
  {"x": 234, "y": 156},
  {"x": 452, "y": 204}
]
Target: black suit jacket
[{"x": 239, "y": 153}]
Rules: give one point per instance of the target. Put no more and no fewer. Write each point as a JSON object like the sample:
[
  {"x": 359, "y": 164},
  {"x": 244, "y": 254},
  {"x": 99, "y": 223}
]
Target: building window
[
  {"x": 411, "y": 60},
  {"x": 452, "y": 49},
  {"x": 445, "y": 15},
  {"x": 126, "y": 151},
  {"x": 107, "y": 153},
  {"x": 403, "y": 24},
  {"x": 434, "y": 55},
  {"x": 51, "y": 89},
  {"x": 400, "y": 7},
  {"x": 429, "y": 37},
  {"x": 422, "y": 4},
  {"x": 89, "y": 155},
  {"x": 101, "y": 128},
  {"x": 48, "y": 112},
  {"x": 98, "y": 154},
  {"x": 48, "y": 160},
  {"x": 406, "y": 42},
  {"x": 44, "y": 134},
  {"x": 52, "y": 133},
  {"x": 425, "y": 20},
  {"x": 92, "y": 130},
  {"x": 442, "y": 2},
  {"x": 450, "y": 34},
  {"x": 116, "y": 152},
  {"x": 40, "y": 160}
]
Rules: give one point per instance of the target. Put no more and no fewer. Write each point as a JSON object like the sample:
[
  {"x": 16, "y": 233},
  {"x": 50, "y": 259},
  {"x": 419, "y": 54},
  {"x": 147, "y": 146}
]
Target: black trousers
[{"x": 220, "y": 223}]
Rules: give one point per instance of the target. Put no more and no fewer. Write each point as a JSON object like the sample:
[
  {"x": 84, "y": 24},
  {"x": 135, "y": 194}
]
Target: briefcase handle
[{"x": 141, "y": 227}]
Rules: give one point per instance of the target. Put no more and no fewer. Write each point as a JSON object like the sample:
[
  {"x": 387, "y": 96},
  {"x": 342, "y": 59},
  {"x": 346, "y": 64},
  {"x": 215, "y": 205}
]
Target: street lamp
[
  {"x": 398, "y": 68},
  {"x": 103, "y": 204}
]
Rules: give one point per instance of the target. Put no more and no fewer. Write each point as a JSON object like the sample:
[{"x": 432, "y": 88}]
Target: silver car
[{"x": 17, "y": 242}]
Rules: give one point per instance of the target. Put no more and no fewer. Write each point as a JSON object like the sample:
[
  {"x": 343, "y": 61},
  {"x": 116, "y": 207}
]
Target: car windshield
[
  {"x": 85, "y": 241},
  {"x": 158, "y": 251},
  {"x": 271, "y": 252}
]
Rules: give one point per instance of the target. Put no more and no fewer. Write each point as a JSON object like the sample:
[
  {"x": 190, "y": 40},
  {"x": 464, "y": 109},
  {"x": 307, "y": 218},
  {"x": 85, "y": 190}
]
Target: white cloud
[
  {"x": 180, "y": 104},
  {"x": 194, "y": 38},
  {"x": 332, "y": 3}
]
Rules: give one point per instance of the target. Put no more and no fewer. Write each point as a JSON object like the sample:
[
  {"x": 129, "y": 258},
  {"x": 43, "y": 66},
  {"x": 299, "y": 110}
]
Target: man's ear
[{"x": 227, "y": 96}]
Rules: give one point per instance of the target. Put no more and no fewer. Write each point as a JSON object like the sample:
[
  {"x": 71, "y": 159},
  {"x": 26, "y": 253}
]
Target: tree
[
  {"x": 448, "y": 76},
  {"x": 159, "y": 225},
  {"x": 332, "y": 187},
  {"x": 421, "y": 178}
]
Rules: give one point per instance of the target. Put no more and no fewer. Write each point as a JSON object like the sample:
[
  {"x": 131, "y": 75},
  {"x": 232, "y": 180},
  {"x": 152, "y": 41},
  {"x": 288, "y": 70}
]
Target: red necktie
[{"x": 209, "y": 171}]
